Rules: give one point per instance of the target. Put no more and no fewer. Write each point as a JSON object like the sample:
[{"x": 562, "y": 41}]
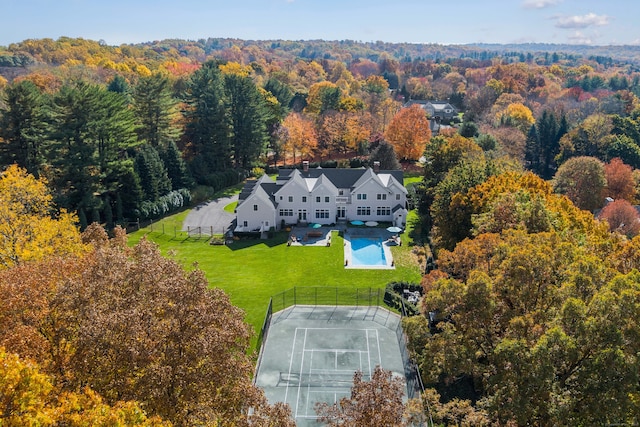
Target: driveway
[{"x": 210, "y": 216}]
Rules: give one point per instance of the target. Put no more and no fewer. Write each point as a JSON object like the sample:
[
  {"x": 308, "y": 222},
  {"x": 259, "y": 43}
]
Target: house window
[
  {"x": 397, "y": 196},
  {"x": 304, "y": 199},
  {"x": 326, "y": 199},
  {"x": 382, "y": 196},
  {"x": 341, "y": 192},
  {"x": 245, "y": 224},
  {"x": 364, "y": 211},
  {"x": 280, "y": 197},
  {"x": 322, "y": 213},
  {"x": 266, "y": 223},
  {"x": 255, "y": 207},
  {"x": 286, "y": 212},
  {"x": 381, "y": 211},
  {"x": 318, "y": 199},
  {"x": 290, "y": 199},
  {"x": 362, "y": 196}
]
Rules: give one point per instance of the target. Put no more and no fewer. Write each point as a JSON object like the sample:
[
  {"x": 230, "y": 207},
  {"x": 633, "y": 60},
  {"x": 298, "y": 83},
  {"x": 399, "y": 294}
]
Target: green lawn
[{"x": 251, "y": 271}]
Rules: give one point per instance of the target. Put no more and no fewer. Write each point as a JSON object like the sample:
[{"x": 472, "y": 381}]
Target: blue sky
[{"x": 595, "y": 22}]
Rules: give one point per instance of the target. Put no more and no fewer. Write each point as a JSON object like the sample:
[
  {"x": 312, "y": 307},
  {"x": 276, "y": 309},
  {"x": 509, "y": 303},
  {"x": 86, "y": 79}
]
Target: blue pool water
[{"x": 367, "y": 251}]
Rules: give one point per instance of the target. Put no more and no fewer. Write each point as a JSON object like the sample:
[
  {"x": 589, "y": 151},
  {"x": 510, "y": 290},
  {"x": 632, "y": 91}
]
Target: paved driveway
[{"x": 210, "y": 214}]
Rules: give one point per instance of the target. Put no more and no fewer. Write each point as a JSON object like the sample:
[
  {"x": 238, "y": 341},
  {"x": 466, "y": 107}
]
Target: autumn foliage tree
[
  {"x": 30, "y": 229},
  {"x": 134, "y": 326},
  {"x": 31, "y": 397},
  {"x": 377, "y": 402},
  {"x": 622, "y": 217},
  {"x": 620, "y": 181},
  {"x": 582, "y": 180},
  {"x": 299, "y": 137},
  {"x": 409, "y": 132},
  {"x": 532, "y": 324}
]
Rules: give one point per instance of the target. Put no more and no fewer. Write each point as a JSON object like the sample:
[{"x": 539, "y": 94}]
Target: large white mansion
[{"x": 323, "y": 196}]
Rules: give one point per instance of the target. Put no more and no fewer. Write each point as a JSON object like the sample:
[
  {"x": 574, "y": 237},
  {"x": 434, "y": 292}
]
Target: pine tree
[
  {"x": 176, "y": 167},
  {"x": 386, "y": 155},
  {"x": 153, "y": 176},
  {"x": 208, "y": 128},
  {"x": 155, "y": 108},
  {"x": 248, "y": 114},
  {"x": 23, "y": 124}
]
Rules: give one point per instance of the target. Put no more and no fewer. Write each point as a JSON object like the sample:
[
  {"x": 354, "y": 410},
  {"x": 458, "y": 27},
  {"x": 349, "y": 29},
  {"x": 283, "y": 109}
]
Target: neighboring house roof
[{"x": 435, "y": 106}]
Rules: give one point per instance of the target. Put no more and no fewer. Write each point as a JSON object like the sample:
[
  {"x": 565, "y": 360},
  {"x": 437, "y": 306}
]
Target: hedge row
[{"x": 165, "y": 204}]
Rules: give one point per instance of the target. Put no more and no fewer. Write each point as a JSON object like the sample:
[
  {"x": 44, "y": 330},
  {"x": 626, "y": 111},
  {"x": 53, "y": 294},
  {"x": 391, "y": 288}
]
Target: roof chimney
[
  {"x": 376, "y": 167},
  {"x": 305, "y": 166}
]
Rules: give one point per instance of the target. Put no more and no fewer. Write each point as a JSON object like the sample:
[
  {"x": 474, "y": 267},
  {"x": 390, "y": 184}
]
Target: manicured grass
[
  {"x": 231, "y": 207},
  {"x": 251, "y": 271}
]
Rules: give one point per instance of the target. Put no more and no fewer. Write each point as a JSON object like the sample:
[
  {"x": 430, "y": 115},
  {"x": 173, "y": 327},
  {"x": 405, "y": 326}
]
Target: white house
[{"x": 323, "y": 196}]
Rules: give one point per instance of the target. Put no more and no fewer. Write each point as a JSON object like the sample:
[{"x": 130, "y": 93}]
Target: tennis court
[{"x": 311, "y": 353}]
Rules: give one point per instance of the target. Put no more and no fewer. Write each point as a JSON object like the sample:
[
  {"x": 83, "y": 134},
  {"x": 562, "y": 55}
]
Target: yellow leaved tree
[
  {"x": 29, "y": 397},
  {"x": 30, "y": 229}
]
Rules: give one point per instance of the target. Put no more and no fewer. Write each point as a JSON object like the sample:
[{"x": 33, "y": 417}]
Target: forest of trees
[{"x": 527, "y": 201}]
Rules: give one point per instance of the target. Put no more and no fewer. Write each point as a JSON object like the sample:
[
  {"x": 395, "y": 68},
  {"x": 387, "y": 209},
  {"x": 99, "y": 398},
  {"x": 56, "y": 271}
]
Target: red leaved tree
[
  {"x": 622, "y": 217},
  {"x": 620, "y": 182}
]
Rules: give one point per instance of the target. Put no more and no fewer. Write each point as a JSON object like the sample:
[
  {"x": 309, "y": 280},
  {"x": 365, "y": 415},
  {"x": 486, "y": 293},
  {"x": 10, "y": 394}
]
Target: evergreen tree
[
  {"x": 543, "y": 143},
  {"x": 208, "y": 128},
  {"x": 92, "y": 132},
  {"x": 282, "y": 92},
  {"x": 23, "y": 125},
  {"x": 153, "y": 176},
  {"x": 154, "y": 108},
  {"x": 176, "y": 166},
  {"x": 386, "y": 155},
  {"x": 532, "y": 150},
  {"x": 248, "y": 114},
  {"x": 108, "y": 213},
  {"x": 118, "y": 85}
]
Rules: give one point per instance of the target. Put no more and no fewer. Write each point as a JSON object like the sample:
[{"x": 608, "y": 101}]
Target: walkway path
[{"x": 210, "y": 214}]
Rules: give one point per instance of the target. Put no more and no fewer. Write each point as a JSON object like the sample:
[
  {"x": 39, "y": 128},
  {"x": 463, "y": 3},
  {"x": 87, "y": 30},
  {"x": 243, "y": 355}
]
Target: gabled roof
[
  {"x": 341, "y": 178},
  {"x": 389, "y": 180},
  {"x": 314, "y": 178},
  {"x": 367, "y": 176},
  {"x": 258, "y": 194},
  {"x": 397, "y": 208}
]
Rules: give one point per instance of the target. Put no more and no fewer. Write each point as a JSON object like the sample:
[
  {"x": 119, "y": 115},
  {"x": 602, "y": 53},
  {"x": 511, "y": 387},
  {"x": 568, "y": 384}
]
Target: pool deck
[
  {"x": 306, "y": 236},
  {"x": 382, "y": 234}
]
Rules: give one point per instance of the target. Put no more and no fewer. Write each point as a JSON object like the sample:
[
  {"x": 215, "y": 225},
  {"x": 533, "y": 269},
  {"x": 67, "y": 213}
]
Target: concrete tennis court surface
[{"x": 311, "y": 353}]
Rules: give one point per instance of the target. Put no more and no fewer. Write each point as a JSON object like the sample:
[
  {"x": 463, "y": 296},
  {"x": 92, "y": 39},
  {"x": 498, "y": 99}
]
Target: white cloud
[
  {"x": 579, "y": 38},
  {"x": 581, "y": 21},
  {"x": 539, "y": 4}
]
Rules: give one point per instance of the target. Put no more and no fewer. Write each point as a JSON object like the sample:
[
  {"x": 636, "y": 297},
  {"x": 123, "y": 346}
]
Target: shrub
[
  {"x": 394, "y": 296},
  {"x": 170, "y": 202}
]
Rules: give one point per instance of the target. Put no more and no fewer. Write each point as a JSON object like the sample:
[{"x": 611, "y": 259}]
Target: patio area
[{"x": 308, "y": 236}]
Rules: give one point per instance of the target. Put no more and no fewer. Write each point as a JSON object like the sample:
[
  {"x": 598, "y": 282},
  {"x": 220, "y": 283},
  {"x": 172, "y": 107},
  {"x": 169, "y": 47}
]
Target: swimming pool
[{"x": 367, "y": 251}]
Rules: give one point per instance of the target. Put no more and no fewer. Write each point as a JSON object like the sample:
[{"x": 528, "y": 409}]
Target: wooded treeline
[{"x": 126, "y": 132}]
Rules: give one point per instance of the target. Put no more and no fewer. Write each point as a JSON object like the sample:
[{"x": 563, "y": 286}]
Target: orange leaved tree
[{"x": 409, "y": 132}]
